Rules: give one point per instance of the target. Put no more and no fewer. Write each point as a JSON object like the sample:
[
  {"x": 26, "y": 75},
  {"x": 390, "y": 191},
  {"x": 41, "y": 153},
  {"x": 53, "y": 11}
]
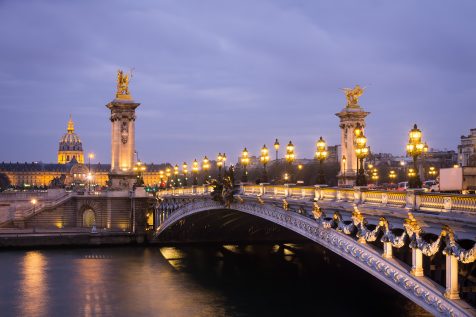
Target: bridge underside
[{"x": 226, "y": 226}]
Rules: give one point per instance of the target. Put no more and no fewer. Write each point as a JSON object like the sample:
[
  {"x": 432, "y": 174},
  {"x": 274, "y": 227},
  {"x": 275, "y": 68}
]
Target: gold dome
[{"x": 70, "y": 146}]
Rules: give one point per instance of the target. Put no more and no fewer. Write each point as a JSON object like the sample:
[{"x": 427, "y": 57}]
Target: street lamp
[
  {"x": 392, "y": 175},
  {"x": 245, "y": 160},
  {"x": 321, "y": 155},
  {"x": 195, "y": 172},
  {"x": 415, "y": 148},
  {"x": 289, "y": 158},
  {"x": 219, "y": 164},
  {"x": 206, "y": 167},
  {"x": 374, "y": 175},
  {"x": 224, "y": 161},
  {"x": 361, "y": 151},
  {"x": 432, "y": 172},
  {"x": 176, "y": 172},
  {"x": 264, "y": 158},
  {"x": 34, "y": 202},
  {"x": 139, "y": 168},
  {"x": 161, "y": 177},
  {"x": 276, "y": 148},
  {"x": 168, "y": 173},
  {"x": 184, "y": 172},
  {"x": 344, "y": 161}
]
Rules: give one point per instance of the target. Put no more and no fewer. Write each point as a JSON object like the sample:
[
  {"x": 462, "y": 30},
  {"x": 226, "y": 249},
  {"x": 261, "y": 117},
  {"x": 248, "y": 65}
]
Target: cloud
[{"x": 216, "y": 76}]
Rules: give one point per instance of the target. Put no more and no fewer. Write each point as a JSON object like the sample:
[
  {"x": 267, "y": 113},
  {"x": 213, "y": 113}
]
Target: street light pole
[
  {"x": 264, "y": 158},
  {"x": 206, "y": 167},
  {"x": 276, "y": 148},
  {"x": 415, "y": 148},
  {"x": 195, "y": 172},
  {"x": 321, "y": 155},
  {"x": 290, "y": 156},
  {"x": 244, "y": 162}
]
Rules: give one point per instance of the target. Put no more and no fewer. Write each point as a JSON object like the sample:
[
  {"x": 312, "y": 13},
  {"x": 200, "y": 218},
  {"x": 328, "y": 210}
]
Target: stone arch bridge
[{"x": 397, "y": 237}]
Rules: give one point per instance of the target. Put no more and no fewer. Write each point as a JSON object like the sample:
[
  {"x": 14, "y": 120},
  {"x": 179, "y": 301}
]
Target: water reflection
[
  {"x": 212, "y": 280},
  {"x": 33, "y": 285}
]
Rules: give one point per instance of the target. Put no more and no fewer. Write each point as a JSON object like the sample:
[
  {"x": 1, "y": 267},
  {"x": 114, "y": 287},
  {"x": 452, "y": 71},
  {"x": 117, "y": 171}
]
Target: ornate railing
[{"x": 411, "y": 199}]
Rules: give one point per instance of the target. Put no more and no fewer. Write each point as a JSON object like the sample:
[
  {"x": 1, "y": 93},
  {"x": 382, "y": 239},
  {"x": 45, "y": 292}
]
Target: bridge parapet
[{"x": 354, "y": 236}]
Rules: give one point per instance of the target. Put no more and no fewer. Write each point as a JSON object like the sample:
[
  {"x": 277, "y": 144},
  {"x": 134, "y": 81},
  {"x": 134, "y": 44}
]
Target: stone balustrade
[{"x": 412, "y": 199}]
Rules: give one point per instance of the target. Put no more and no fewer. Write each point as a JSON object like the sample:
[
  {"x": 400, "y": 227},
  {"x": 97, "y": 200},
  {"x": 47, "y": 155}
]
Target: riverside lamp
[
  {"x": 206, "y": 167},
  {"x": 224, "y": 161},
  {"x": 195, "y": 172},
  {"x": 264, "y": 159},
  {"x": 321, "y": 155},
  {"x": 219, "y": 164},
  {"x": 184, "y": 172},
  {"x": 415, "y": 148},
  {"x": 361, "y": 151},
  {"x": 245, "y": 160},
  {"x": 276, "y": 148},
  {"x": 290, "y": 156}
]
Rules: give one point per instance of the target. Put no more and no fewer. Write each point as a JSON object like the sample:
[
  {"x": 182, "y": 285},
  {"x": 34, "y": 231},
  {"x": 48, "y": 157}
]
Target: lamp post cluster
[
  {"x": 264, "y": 159},
  {"x": 415, "y": 148},
  {"x": 361, "y": 151},
  {"x": 392, "y": 175},
  {"x": 139, "y": 168}
]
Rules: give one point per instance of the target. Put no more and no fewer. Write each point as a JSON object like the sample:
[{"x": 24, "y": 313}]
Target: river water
[{"x": 195, "y": 280}]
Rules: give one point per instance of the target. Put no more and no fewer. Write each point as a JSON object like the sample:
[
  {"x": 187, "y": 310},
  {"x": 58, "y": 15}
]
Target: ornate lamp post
[
  {"x": 321, "y": 155},
  {"x": 90, "y": 157},
  {"x": 392, "y": 175},
  {"x": 415, "y": 148},
  {"x": 276, "y": 148},
  {"x": 139, "y": 168},
  {"x": 34, "y": 202},
  {"x": 195, "y": 172},
  {"x": 245, "y": 160},
  {"x": 375, "y": 175},
  {"x": 219, "y": 164},
  {"x": 176, "y": 173},
  {"x": 432, "y": 171},
  {"x": 206, "y": 167},
  {"x": 344, "y": 161},
  {"x": 361, "y": 151},
  {"x": 224, "y": 162},
  {"x": 264, "y": 158},
  {"x": 168, "y": 174},
  {"x": 289, "y": 159},
  {"x": 161, "y": 177},
  {"x": 184, "y": 172}
]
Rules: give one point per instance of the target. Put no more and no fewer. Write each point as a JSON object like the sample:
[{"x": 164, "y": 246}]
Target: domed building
[{"x": 70, "y": 146}]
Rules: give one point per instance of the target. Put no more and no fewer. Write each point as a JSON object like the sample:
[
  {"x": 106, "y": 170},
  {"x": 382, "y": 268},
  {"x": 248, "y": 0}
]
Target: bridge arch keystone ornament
[{"x": 335, "y": 235}]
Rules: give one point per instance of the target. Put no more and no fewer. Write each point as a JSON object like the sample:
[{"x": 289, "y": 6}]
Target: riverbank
[{"x": 12, "y": 239}]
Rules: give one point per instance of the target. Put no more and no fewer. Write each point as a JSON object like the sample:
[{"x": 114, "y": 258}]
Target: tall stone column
[
  {"x": 122, "y": 135},
  {"x": 351, "y": 116}
]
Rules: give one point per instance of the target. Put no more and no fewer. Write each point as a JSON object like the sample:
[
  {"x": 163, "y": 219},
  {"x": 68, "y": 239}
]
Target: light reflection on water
[{"x": 220, "y": 280}]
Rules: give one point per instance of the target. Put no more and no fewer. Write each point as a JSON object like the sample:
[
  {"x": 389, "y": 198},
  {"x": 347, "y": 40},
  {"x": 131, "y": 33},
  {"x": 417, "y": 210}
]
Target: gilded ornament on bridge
[
  {"x": 285, "y": 204},
  {"x": 352, "y": 95},
  {"x": 123, "y": 85}
]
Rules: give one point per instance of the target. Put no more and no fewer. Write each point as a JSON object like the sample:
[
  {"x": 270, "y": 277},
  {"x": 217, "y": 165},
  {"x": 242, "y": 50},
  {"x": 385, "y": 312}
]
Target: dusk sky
[{"x": 216, "y": 76}]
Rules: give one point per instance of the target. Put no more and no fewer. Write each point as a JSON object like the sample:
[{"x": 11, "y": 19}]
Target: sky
[{"x": 218, "y": 76}]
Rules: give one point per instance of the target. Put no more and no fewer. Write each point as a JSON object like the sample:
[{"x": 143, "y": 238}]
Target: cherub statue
[{"x": 352, "y": 95}]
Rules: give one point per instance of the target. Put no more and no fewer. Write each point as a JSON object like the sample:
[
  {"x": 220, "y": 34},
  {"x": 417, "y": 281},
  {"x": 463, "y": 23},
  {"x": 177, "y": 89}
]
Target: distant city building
[
  {"x": 467, "y": 149},
  {"x": 333, "y": 153},
  {"x": 440, "y": 158}
]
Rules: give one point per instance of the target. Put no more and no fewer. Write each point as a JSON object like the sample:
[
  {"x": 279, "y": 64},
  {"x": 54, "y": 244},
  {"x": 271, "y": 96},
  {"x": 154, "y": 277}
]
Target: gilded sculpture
[
  {"x": 353, "y": 95},
  {"x": 123, "y": 85}
]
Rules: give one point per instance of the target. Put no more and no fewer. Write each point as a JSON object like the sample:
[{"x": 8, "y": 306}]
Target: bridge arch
[{"x": 392, "y": 272}]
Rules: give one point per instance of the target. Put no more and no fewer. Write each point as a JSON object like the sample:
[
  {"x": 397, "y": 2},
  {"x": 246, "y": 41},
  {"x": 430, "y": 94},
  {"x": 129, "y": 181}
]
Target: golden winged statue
[
  {"x": 123, "y": 85},
  {"x": 352, "y": 95}
]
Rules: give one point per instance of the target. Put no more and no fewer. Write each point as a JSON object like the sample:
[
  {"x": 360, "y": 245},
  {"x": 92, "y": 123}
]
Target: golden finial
[
  {"x": 352, "y": 95},
  {"x": 70, "y": 124},
  {"x": 123, "y": 85}
]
